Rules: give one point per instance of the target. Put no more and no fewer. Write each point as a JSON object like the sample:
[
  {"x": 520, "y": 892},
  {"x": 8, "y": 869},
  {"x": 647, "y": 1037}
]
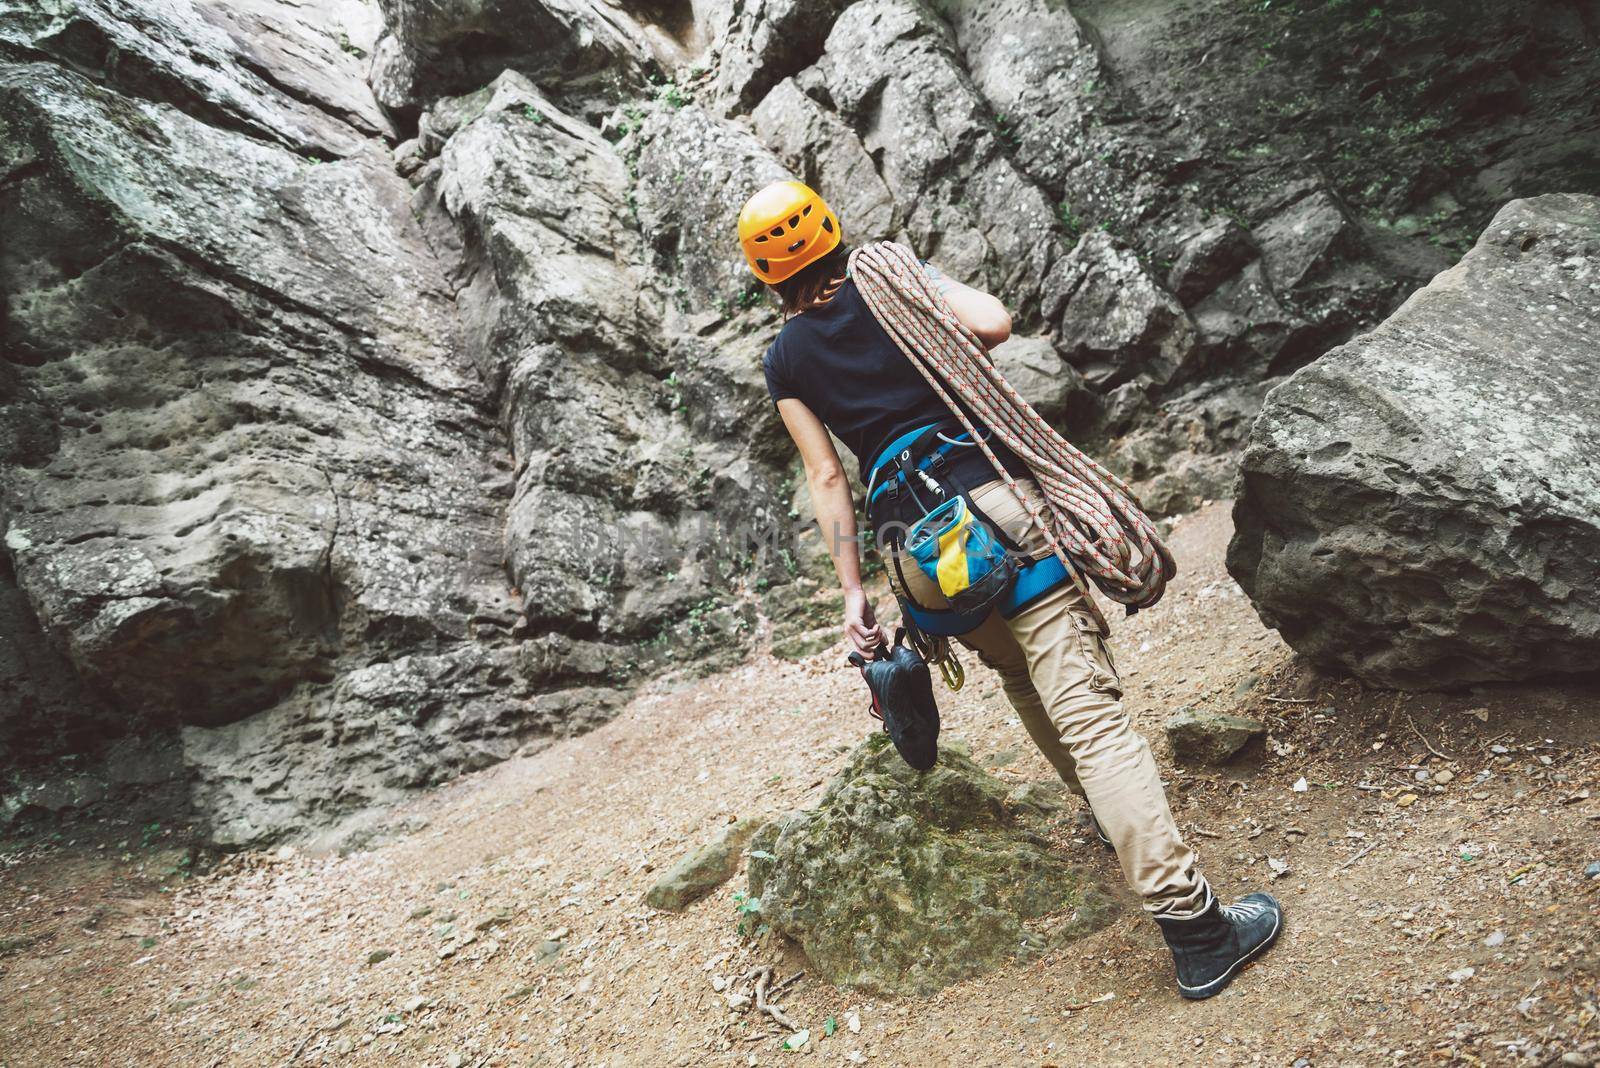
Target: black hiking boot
[{"x": 1209, "y": 949}]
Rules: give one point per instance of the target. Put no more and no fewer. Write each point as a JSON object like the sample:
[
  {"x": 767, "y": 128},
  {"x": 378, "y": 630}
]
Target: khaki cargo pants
[{"x": 1058, "y": 674}]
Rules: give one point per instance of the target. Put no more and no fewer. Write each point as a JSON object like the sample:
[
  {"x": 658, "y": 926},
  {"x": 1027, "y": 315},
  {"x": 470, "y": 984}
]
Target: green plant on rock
[
  {"x": 673, "y": 95},
  {"x": 700, "y": 621},
  {"x": 748, "y": 909},
  {"x": 1008, "y": 132},
  {"x": 1070, "y": 222},
  {"x": 532, "y": 114},
  {"x": 632, "y": 119}
]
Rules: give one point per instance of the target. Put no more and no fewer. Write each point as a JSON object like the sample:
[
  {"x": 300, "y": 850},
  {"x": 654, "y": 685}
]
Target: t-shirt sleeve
[
  {"x": 936, "y": 277},
  {"x": 773, "y": 365}
]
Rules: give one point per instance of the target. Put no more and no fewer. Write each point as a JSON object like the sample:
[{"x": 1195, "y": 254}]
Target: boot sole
[{"x": 1200, "y": 993}]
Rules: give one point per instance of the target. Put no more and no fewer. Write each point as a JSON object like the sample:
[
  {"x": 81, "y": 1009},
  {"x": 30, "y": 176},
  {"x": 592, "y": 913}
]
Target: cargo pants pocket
[{"x": 1097, "y": 654}]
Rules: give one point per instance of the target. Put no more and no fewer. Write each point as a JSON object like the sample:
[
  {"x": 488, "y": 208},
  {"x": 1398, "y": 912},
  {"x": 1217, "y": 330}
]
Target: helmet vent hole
[
  {"x": 762, "y": 264},
  {"x": 807, "y": 211},
  {"x": 794, "y": 220},
  {"x": 827, "y": 223},
  {"x": 777, "y": 231},
  {"x": 761, "y": 239}
]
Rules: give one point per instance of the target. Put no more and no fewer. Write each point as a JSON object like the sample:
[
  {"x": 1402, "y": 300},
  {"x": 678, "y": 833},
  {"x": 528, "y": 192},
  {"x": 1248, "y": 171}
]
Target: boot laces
[{"x": 1245, "y": 911}]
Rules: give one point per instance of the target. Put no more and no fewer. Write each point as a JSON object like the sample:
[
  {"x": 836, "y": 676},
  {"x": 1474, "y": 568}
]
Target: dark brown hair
[{"x": 812, "y": 285}]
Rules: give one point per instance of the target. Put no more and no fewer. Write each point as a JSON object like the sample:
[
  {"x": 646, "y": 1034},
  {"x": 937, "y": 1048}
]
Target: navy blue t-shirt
[{"x": 840, "y": 362}]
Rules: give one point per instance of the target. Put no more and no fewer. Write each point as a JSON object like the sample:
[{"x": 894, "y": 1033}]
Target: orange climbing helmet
[{"x": 785, "y": 228}]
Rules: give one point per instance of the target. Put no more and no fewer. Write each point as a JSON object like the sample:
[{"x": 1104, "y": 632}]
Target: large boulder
[
  {"x": 1421, "y": 506},
  {"x": 902, "y": 883}
]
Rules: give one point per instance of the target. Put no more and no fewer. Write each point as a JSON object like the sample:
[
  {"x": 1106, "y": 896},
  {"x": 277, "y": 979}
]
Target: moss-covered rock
[
  {"x": 1205, "y": 737},
  {"x": 902, "y": 883}
]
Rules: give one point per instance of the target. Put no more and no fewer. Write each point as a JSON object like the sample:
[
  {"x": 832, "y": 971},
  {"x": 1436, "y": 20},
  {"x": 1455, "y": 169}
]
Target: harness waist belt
[{"x": 1037, "y": 578}]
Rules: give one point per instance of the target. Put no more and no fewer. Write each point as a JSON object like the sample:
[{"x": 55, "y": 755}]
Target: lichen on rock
[{"x": 902, "y": 883}]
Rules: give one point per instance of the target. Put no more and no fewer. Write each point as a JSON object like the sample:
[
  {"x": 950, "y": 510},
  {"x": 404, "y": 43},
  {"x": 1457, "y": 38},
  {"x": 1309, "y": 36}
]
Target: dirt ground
[{"x": 1428, "y": 922}]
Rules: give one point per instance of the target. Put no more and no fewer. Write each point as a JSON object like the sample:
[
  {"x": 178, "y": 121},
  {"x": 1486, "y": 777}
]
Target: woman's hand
[{"x": 861, "y": 627}]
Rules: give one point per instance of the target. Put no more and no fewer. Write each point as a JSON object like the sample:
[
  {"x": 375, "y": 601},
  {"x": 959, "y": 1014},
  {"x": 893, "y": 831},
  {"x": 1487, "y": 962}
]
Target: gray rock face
[
  {"x": 260, "y": 66},
  {"x": 1054, "y": 388},
  {"x": 694, "y": 168},
  {"x": 590, "y": 52},
  {"x": 901, "y": 883},
  {"x": 761, "y": 42},
  {"x": 1419, "y": 506},
  {"x": 249, "y": 360},
  {"x": 1118, "y": 323},
  {"x": 827, "y": 154},
  {"x": 620, "y": 518},
  {"x": 1215, "y": 253},
  {"x": 893, "y": 72},
  {"x": 46, "y": 710}
]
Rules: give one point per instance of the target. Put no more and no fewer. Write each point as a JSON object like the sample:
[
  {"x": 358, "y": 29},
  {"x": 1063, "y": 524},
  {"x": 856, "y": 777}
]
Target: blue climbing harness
[{"x": 977, "y": 565}]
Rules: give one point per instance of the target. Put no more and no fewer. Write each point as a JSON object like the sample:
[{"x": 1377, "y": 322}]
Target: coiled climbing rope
[{"x": 1090, "y": 518}]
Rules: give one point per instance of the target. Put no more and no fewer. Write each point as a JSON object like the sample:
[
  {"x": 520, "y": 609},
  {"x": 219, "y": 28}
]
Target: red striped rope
[{"x": 1090, "y": 517}]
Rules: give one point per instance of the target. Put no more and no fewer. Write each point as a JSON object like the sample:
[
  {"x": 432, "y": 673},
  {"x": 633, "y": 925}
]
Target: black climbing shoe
[
  {"x": 902, "y": 697},
  {"x": 1209, "y": 949}
]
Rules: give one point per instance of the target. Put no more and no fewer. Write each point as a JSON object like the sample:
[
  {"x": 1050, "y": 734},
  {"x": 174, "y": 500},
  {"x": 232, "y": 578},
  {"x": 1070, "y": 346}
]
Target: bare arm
[
  {"x": 836, "y": 515},
  {"x": 981, "y": 313}
]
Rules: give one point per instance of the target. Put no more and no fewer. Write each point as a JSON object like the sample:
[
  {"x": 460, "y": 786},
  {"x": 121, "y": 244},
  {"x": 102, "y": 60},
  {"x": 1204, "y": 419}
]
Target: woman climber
[{"x": 835, "y": 368}]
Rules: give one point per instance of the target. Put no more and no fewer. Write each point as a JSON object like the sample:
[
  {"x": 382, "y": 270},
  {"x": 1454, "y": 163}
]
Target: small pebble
[
  {"x": 1593, "y": 870},
  {"x": 1497, "y": 938},
  {"x": 1406, "y": 801},
  {"x": 1444, "y": 776}
]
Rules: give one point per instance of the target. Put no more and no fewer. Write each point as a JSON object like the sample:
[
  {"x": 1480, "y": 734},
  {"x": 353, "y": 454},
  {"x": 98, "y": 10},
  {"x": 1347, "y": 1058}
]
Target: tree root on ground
[{"x": 763, "y": 975}]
